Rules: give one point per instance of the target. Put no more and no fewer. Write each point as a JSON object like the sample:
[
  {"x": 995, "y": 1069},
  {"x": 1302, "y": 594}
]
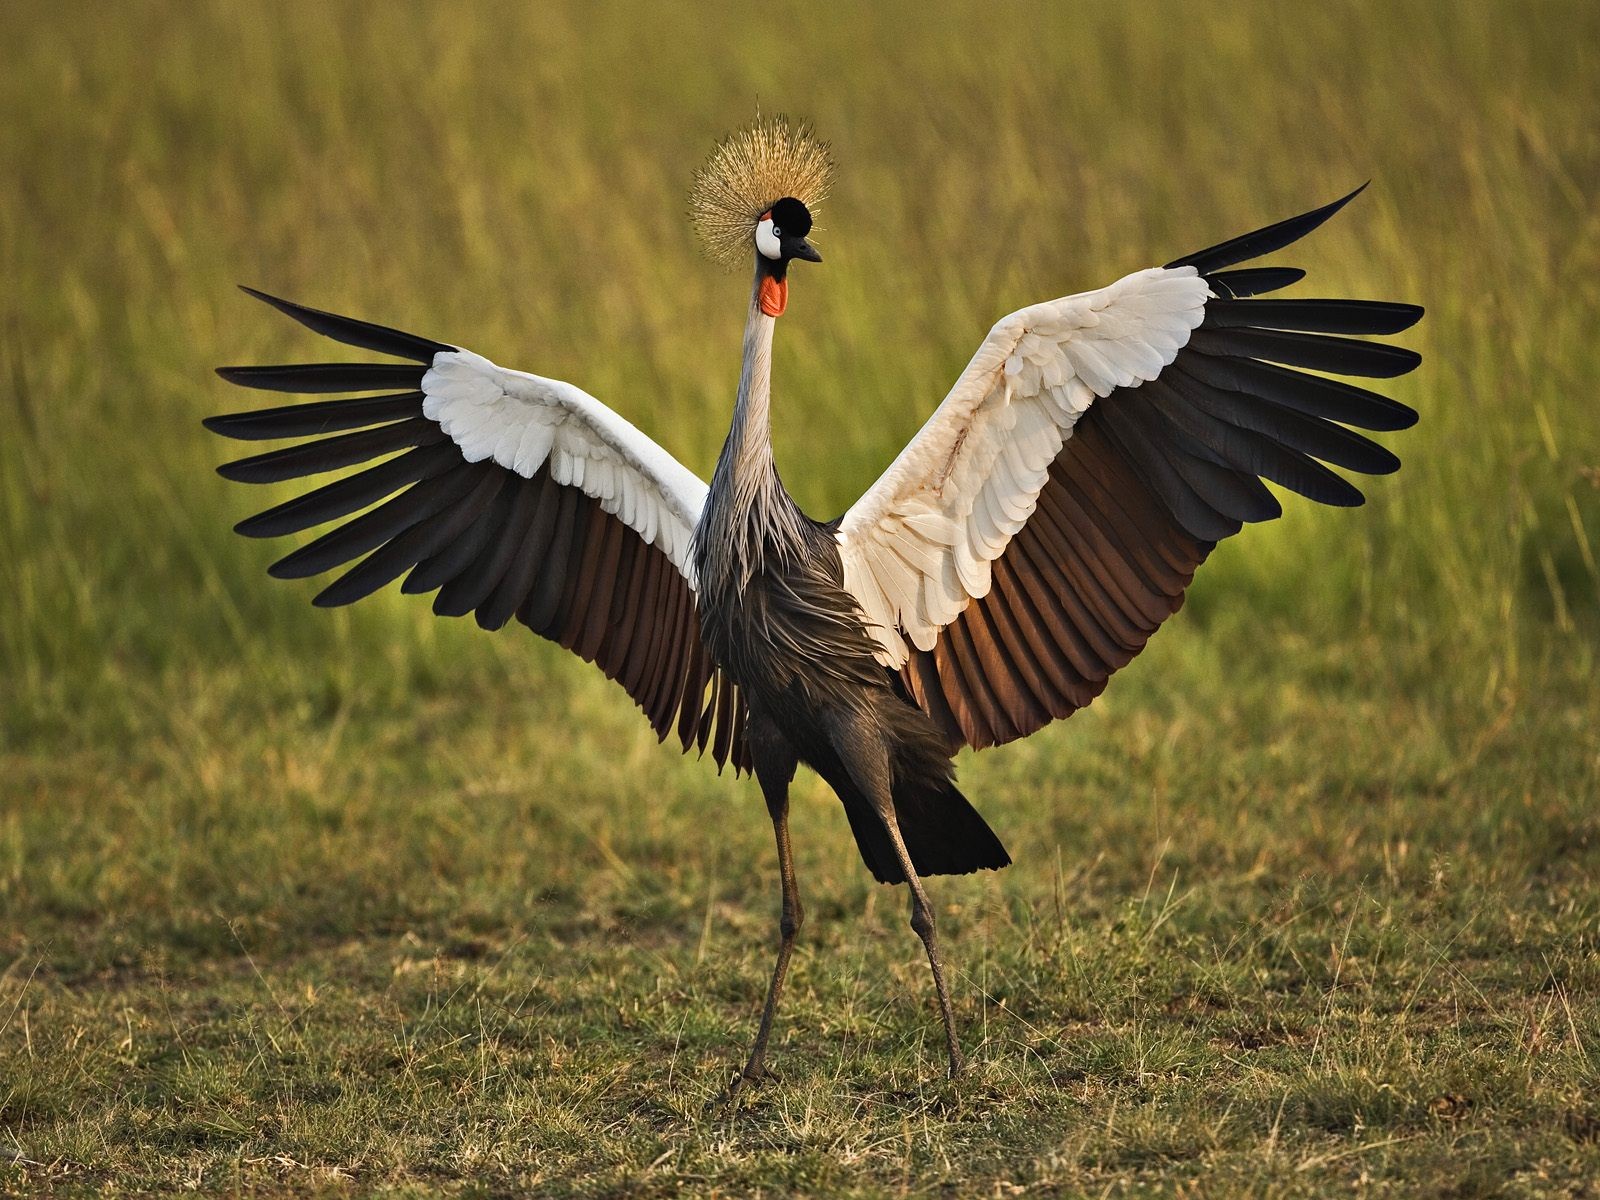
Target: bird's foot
[
  {"x": 958, "y": 1065},
  {"x": 753, "y": 1076}
]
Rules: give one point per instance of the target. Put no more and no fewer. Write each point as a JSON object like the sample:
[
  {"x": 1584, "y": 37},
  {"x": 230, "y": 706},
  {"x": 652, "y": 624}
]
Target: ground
[{"x": 297, "y": 902}]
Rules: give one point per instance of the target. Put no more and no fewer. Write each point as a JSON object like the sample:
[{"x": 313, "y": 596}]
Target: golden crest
[{"x": 746, "y": 174}]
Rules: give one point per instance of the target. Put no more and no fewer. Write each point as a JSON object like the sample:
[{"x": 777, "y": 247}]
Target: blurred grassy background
[{"x": 290, "y": 898}]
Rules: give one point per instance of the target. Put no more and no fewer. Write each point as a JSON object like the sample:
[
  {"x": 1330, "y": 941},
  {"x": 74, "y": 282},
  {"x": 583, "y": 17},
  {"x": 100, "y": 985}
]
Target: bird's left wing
[
  {"x": 1050, "y": 514},
  {"x": 508, "y": 494}
]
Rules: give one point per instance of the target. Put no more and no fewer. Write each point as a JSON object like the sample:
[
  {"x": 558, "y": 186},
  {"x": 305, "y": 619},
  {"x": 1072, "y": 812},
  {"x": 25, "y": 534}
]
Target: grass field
[{"x": 301, "y": 902}]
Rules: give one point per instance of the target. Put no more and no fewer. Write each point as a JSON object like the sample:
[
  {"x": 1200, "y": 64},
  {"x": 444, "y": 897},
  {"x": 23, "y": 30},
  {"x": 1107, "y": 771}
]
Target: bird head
[
  {"x": 781, "y": 232},
  {"x": 757, "y": 190},
  {"x": 781, "y": 238}
]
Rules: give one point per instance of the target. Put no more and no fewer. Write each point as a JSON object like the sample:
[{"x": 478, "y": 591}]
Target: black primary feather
[
  {"x": 1253, "y": 281},
  {"x": 310, "y": 378},
  {"x": 351, "y": 332},
  {"x": 1262, "y": 241}
]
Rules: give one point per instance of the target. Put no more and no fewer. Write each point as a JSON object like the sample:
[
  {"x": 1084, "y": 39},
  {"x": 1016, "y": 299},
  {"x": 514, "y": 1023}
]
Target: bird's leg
[
  {"x": 793, "y": 915},
  {"x": 922, "y": 922},
  {"x": 867, "y": 760},
  {"x": 774, "y": 766}
]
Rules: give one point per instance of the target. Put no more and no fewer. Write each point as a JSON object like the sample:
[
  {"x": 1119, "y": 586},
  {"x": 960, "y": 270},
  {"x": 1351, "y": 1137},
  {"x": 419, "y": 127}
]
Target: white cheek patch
[{"x": 767, "y": 240}]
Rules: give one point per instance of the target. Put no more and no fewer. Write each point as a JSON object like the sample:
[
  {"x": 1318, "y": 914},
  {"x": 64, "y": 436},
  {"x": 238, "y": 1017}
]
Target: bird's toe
[{"x": 752, "y": 1076}]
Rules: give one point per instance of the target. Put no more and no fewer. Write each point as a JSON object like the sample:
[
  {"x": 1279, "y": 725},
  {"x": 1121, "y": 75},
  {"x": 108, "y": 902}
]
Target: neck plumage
[
  {"x": 746, "y": 467},
  {"x": 749, "y": 515}
]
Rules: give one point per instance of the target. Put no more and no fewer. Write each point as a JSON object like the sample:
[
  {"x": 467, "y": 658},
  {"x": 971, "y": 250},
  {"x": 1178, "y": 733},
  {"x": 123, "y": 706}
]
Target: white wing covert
[{"x": 510, "y": 495}]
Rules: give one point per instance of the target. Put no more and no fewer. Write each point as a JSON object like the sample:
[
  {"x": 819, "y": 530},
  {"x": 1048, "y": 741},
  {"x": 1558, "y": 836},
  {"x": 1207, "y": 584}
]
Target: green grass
[{"x": 306, "y": 902}]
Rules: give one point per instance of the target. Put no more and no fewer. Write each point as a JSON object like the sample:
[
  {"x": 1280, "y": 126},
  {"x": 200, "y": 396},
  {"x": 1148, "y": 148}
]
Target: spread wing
[
  {"x": 1050, "y": 514},
  {"x": 508, "y": 495}
]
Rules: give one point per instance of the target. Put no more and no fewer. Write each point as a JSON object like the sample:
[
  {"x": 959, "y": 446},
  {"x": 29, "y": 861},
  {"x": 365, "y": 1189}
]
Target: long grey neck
[
  {"x": 749, "y": 517},
  {"x": 746, "y": 465}
]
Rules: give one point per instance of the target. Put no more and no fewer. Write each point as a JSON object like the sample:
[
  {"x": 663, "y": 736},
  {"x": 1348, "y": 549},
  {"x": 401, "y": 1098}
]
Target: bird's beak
[{"x": 800, "y": 248}]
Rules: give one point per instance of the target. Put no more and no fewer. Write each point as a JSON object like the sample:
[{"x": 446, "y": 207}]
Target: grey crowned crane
[{"x": 1024, "y": 545}]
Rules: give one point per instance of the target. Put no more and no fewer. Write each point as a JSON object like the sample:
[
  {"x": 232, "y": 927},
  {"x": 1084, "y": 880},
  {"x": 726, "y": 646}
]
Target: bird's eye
[{"x": 776, "y": 232}]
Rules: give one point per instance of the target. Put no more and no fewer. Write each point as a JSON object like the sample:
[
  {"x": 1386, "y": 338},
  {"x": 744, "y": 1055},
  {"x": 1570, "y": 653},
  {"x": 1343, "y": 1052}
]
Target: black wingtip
[
  {"x": 234, "y": 473},
  {"x": 351, "y": 331},
  {"x": 1335, "y": 206},
  {"x": 1264, "y": 240},
  {"x": 1404, "y": 316},
  {"x": 1329, "y": 209},
  {"x": 1404, "y": 417},
  {"x": 287, "y": 307}
]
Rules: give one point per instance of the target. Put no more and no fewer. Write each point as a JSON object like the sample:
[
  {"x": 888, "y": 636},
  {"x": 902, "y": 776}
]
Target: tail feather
[{"x": 944, "y": 834}]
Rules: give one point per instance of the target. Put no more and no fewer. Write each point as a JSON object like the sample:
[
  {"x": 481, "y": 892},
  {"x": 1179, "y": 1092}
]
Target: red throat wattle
[{"x": 773, "y": 296}]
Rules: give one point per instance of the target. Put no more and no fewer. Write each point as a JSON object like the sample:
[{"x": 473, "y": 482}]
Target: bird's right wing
[
  {"x": 508, "y": 494},
  {"x": 1048, "y": 517}
]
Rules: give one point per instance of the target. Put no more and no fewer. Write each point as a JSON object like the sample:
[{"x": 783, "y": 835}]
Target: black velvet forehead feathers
[{"x": 791, "y": 217}]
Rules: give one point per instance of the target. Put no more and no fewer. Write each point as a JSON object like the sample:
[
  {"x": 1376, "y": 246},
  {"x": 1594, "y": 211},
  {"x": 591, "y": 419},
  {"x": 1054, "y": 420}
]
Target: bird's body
[
  {"x": 1023, "y": 546},
  {"x": 772, "y": 602},
  {"x": 777, "y": 618}
]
